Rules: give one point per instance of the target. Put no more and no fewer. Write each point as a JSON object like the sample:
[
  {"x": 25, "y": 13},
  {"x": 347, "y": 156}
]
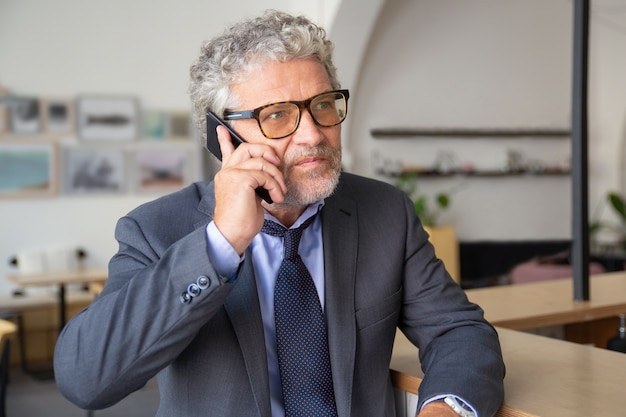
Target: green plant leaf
[
  {"x": 595, "y": 227},
  {"x": 618, "y": 204},
  {"x": 407, "y": 183},
  {"x": 427, "y": 212},
  {"x": 420, "y": 205},
  {"x": 443, "y": 200}
]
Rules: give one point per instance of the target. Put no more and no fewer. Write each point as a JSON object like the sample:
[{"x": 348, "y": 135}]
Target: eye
[
  {"x": 323, "y": 105},
  {"x": 276, "y": 115}
]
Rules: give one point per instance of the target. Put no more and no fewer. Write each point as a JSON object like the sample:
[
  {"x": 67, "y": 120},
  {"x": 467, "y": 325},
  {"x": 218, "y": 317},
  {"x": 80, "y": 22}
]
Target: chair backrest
[{"x": 4, "y": 375}]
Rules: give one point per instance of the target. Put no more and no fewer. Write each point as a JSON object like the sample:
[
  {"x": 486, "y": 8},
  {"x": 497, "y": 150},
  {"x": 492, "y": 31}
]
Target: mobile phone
[{"x": 213, "y": 146}]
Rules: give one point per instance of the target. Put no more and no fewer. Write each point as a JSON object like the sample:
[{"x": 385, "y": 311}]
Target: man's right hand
[{"x": 238, "y": 209}]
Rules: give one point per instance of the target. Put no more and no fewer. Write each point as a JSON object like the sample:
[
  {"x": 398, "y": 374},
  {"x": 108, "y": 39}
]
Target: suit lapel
[
  {"x": 242, "y": 306},
  {"x": 340, "y": 235}
]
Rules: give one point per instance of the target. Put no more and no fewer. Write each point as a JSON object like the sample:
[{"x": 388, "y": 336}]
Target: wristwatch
[{"x": 459, "y": 406}]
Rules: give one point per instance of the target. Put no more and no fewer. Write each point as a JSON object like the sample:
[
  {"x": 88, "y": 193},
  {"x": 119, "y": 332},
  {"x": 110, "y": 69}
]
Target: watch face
[{"x": 459, "y": 407}]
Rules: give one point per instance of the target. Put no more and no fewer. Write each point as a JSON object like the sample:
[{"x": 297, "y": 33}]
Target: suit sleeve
[
  {"x": 138, "y": 325},
  {"x": 459, "y": 350}
]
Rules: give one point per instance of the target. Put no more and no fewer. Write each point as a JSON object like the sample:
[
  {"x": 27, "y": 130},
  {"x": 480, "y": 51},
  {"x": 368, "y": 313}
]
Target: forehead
[{"x": 272, "y": 81}]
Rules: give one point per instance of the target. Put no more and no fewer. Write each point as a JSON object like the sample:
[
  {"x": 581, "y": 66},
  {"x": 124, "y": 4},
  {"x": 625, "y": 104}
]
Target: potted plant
[
  {"x": 428, "y": 211},
  {"x": 617, "y": 203},
  {"x": 443, "y": 237}
]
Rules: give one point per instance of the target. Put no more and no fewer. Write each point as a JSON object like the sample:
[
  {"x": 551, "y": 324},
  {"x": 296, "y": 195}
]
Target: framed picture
[
  {"x": 28, "y": 169},
  {"x": 4, "y": 116},
  {"x": 58, "y": 115},
  {"x": 24, "y": 114},
  {"x": 180, "y": 125},
  {"x": 155, "y": 125},
  {"x": 107, "y": 118},
  {"x": 161, "y": 169},
  {"x": 89, "y": 171}
]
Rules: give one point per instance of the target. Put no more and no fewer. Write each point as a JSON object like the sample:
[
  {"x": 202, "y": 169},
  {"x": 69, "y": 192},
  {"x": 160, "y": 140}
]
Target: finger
[
  {"x": 276, "y": 189},
  {"x": 253, "y": 151},
  {"x": 266, "y": 174},
  {"x": 251, "y": 157},
  {"x": 226, "y": 145}
]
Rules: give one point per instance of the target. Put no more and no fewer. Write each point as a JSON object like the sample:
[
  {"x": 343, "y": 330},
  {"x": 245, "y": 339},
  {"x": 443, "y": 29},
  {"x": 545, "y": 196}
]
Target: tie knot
[{"x": 291, "y": 236}]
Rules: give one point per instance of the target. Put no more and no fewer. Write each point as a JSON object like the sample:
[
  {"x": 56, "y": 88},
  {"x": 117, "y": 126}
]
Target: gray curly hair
[{"x": 225, "y": 60}]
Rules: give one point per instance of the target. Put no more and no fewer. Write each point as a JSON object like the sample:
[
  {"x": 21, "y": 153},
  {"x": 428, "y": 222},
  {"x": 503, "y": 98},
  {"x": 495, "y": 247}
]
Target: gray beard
[
  {"x": 319, "y": 185},
  {"x": 303, "y": 196}
]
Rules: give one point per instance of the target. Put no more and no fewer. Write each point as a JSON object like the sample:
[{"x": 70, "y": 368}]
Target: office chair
[
  {"x": 618, "y": 343},
  {"x": 4, "y": 375}
]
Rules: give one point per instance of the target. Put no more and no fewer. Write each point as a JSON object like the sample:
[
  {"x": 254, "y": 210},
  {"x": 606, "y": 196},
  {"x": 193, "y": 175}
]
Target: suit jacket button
[
  {"x": 185, "y": 298},
  {"x": 193, "y": 290},
  {"x": 203, "y": 282}
]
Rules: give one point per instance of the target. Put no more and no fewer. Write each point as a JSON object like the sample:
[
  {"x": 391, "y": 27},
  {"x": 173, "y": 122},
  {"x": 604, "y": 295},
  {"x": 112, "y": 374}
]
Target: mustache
[
  {"x": 315, "y": 184},
  {"x": 323, "y": 151}
]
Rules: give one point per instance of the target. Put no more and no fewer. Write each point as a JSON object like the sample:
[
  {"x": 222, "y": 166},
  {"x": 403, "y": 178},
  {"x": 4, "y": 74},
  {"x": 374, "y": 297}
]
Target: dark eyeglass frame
[{"x": 305, "y": 104}]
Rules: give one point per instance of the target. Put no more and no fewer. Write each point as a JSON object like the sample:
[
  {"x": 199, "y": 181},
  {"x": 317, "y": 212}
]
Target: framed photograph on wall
[
  {"x": 89, "y": 171},
  {"x": 180, "y": 125},
  {"x": 107, "y": 118},
  {"x": 28, "y": 169},
  {"x": 24, "y": 114},
  {"x": 4, "y": 116},
  {"x": 161, "y": 169},
  {"x": 154, "y": 124},
  {"x": 58, "y": 115}
]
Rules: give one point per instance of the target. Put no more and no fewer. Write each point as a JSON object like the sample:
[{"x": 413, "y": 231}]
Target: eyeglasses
[{"x": 279, "y": 120}]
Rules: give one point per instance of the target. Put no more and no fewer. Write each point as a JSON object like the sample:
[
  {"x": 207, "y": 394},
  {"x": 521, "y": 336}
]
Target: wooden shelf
[
  {"x": 469, "y": 133},
  {"x": 552, "y": 172}
]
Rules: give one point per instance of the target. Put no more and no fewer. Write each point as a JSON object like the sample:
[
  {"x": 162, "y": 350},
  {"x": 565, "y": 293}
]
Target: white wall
[{"x": 70, "y": 47}]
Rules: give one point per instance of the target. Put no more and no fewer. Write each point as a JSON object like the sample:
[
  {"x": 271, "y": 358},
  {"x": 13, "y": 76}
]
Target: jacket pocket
[{"x": 386, "y": 309}]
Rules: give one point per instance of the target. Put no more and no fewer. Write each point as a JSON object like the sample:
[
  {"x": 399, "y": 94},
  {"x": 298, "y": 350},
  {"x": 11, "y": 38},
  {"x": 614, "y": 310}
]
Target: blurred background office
[{"x": 473, "y": 67}]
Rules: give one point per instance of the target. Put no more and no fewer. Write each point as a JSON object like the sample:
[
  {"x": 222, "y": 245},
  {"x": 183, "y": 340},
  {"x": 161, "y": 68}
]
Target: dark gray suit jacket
[{"x": 380, "y": 273}]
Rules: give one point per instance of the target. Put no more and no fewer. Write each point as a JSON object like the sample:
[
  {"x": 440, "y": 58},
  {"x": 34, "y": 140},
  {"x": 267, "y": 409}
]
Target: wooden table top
[
  {"x": 79, "y": 276},
  {"x": 545, "y": 377},
  {"x": 548, "y": 303}
]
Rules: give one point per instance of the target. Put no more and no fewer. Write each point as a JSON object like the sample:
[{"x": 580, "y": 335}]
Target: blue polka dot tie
[{"x": 301, "y": 333}]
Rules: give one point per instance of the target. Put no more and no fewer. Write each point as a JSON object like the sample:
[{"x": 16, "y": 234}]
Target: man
[{"x": 193, "y": 293}]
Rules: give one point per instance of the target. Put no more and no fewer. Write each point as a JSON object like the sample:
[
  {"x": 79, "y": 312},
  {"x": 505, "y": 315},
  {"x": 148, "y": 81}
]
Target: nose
[{"x": 308, "y": 132}]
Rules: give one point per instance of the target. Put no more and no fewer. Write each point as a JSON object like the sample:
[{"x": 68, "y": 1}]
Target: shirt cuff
[{"x": 222, "y": 256}]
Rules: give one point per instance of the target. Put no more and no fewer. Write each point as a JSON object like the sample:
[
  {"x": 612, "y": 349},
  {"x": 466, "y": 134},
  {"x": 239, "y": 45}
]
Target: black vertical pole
[{"x": 580, "y": 212}]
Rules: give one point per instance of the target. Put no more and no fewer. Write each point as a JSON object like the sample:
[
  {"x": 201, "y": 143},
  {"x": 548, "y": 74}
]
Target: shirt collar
[{"x": 310, "y": 211}]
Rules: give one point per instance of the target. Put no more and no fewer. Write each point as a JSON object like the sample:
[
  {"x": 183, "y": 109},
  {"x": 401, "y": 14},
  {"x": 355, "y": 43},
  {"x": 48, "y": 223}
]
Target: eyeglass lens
[{"x": 282, "y": 119}]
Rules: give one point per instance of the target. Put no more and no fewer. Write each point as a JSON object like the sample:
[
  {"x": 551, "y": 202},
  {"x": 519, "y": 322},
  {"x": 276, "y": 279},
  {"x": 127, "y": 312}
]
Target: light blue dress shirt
[{"x": 267, "y": 255}]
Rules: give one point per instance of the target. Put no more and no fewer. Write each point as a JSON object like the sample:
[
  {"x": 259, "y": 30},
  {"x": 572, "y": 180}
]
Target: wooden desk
[
  {"x": 60, "y": 279},
  {"x": 544, "y": 377},
  {"x": 549, "y": 303}
]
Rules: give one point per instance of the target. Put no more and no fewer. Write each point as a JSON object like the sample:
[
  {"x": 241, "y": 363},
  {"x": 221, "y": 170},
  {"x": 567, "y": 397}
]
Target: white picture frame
[
  {"x": 94, "y": 171},
  {"x": 107, "y": 118}
]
